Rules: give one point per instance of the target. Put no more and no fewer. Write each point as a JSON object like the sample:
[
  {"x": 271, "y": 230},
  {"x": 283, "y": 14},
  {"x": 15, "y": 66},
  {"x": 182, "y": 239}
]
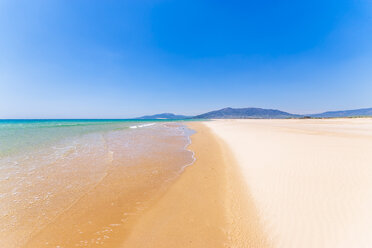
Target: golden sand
[
  {"x": 105, "y": 215},
  {"x": 208, "y": 206},
  {"x": 295, "y": 183}
]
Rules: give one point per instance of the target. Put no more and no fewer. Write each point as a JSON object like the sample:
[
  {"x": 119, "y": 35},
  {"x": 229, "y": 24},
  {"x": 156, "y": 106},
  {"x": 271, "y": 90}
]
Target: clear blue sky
[{"x": 115, "y": 59}]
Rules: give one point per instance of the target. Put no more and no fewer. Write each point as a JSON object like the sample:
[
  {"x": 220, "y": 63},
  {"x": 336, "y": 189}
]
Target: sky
[{"x": 123, "y": 59}]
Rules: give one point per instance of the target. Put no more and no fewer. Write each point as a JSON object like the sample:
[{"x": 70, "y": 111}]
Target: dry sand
[{"x": 311, "y": 180}]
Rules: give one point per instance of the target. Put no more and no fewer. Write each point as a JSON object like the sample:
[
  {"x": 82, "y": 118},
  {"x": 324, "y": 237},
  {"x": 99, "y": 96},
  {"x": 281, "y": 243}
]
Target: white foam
[{"x": 142, "y": 125}]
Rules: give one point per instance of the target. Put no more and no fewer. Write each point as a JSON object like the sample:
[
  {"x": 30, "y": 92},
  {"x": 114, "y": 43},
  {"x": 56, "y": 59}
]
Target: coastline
[
  {"x": 139, "y": 166},
  {"x": 252, "y": 183},
  {"x": 207, "y": 206}
]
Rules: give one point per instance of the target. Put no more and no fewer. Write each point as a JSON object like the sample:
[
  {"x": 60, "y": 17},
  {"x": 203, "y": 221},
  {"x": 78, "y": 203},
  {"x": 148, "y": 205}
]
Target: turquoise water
[{"x": 25, "y": 135}]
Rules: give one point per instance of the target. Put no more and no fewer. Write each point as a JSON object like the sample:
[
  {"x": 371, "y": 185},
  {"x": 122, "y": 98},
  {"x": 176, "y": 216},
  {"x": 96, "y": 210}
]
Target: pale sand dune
[{"x": 311, "y": 180}]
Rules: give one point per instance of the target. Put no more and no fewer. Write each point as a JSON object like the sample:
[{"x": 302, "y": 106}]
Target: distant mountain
[
  {"x": 246, "y": 113},
  {"x": 345, "y": 113},
  {"x": 259, "y": 113},
  {"x": 168, "y": 116}
]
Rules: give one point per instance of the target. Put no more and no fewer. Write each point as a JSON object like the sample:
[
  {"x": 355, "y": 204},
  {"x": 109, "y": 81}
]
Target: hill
[
  {"x": 345, "y": 113},
  {"x": 246, "y": 113}
]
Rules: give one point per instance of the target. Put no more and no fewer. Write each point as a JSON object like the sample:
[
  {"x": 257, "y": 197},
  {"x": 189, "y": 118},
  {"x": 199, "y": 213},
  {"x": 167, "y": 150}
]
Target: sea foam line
[
  {"x": 186, "y": 148},
  {"x": 193, "y": 153},
  {"x": 143, "y": 125}
]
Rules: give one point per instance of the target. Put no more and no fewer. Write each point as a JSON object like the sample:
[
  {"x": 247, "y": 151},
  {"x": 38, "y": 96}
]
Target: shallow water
[{"x": 96, "y": 171}]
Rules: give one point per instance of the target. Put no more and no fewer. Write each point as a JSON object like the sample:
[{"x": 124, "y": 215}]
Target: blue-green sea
[{"x": 23, "y": 135}]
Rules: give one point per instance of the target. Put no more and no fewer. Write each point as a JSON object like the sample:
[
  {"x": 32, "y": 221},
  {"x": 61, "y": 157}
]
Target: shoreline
[
  {"x": 207, "y": 206},
  {"x": 250, "y": 183},
  {"x": 135, "y": 176}
]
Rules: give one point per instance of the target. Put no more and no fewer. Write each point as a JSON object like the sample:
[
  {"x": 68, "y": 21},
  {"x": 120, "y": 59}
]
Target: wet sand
[
  {"x": 144, "y": 200},
  {"x": 104, "y": 216},
  {"x": 102, "y": 212},
  {"x": 208, "y": 206},
  {"x": 311, "y": 180}
]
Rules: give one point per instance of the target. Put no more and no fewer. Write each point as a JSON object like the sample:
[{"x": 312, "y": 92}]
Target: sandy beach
[
  {"x": 91, "y": 194},
  {"x": 268, "y": 183},
  {"x": 186, "y": 124},
  {"x": 254, "y": 183},
  {"x": 310, "y": 180},
  {"x": 208, "y": 206},
  {"x": 144, "y": 201}
]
